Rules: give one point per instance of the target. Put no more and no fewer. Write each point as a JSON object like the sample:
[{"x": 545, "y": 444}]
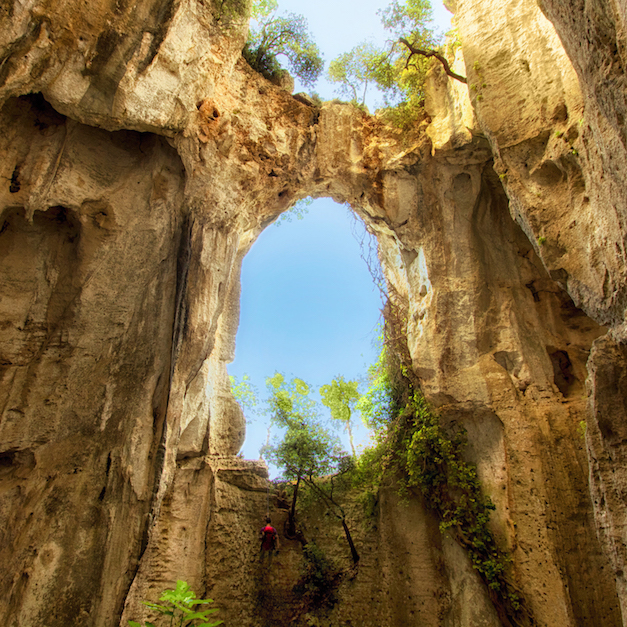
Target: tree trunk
[
  {"x": 349, "y": 539},
  {"x": 350, "y": 438},
  {"x": 432, "y": 53},
  {"x": 291, "y": 519}
]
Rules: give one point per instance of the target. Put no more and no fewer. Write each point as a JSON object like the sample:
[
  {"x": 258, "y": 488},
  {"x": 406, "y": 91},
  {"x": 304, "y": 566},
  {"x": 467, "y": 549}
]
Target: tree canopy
[
  {"x": 307, "y": 448},
  {"x": 286, "y": 36},
  {"x": 341, "y": 398},
  {"x": 355, "y": 70},
  {"x": 399, "y": 69}
]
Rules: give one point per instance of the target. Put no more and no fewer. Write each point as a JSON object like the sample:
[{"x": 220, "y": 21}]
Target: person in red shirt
[{"x": 269, "y": 541}]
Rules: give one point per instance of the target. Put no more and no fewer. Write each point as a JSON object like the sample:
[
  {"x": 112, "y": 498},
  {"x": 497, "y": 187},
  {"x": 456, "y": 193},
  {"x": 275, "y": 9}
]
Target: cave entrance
[{"x": 309, "y": 307}]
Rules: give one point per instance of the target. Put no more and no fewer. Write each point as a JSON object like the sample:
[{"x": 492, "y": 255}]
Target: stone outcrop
[{"x": 141, "y": 158}]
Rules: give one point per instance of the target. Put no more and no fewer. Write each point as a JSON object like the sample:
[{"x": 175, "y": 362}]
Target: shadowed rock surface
[{"x": 141, "y": 158}]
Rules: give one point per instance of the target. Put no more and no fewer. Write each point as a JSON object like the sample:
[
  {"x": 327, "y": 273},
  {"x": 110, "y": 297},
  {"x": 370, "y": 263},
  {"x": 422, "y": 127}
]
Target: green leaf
[
  {"x": 262, "y": 8},
  {"x": 287, "y": 36},
  {"x": 159, "y": 608}
]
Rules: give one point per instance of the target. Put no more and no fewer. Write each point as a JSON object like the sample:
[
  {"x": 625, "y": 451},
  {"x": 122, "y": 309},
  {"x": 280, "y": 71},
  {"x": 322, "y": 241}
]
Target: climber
[{"x": 269, "y": 541}]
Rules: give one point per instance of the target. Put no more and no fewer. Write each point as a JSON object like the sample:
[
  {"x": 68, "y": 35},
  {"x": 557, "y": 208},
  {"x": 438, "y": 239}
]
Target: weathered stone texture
[
  {"x": 82, "y": 413},
  {"x": 141, "y": 65},
  {"x": 119, "y": 289}
]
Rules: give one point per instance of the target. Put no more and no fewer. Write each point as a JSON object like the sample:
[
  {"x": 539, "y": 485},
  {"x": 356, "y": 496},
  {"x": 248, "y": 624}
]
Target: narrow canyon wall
[
  {"x": 141, "y": 158},
  {"x": 90, "y": 234}
]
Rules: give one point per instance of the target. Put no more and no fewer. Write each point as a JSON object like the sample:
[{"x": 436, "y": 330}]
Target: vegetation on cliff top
[
  {"x": 285, "y": 36},
  {"x": 397, "y": 70}
]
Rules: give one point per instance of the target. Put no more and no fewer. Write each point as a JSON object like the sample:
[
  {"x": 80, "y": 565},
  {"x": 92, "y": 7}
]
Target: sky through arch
[{"x": 309, "y": 306}]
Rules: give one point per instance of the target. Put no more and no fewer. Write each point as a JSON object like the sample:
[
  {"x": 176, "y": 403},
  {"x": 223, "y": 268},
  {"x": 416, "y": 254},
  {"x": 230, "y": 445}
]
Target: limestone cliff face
[{"x": 141, "y": 157}]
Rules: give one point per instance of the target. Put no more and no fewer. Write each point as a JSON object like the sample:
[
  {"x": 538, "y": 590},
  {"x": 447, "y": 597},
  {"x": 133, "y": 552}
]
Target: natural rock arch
[{"x": 110, "y": 478}]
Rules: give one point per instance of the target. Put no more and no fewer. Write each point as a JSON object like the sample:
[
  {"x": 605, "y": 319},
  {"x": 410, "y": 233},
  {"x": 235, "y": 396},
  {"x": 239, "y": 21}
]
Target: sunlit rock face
[
  {"x": 90, "y": 235},
  {"x": 593, "y": 34},
  {"x": 141, "y": 158},
  {"x": 141, "y": 65},
  {"x": 574, "y": 145}
]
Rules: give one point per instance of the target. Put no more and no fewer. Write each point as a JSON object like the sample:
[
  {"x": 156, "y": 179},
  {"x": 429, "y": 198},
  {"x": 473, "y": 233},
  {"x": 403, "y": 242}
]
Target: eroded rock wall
[
  {"x": 593, "y": 34},
  {"x": 90, "y": 233},
  {"x": 120, "y": 284},
  {"x": 565, "y": 184}
]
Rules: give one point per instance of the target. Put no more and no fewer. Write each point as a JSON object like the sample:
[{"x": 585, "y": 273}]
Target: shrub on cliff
[
  {"x": 419, "y": 453},
  {"x": 178, "y": 606},
  {"x": 398, "y": 70},
  {"x": 285, "y": 36}
]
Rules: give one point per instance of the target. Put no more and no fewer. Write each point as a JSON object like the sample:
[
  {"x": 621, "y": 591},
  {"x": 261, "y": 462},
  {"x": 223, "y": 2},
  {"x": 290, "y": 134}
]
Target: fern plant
[{"x": 179, "y": 605}]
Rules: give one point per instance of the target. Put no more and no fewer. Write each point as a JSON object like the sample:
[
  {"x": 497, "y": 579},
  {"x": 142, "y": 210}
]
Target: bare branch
[{"x": 431, "y": 53}]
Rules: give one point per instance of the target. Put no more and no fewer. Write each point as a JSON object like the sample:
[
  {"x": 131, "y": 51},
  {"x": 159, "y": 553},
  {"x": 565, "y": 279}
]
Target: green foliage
[
  {"x": 340, "y": 397},
  {"x": 376, "y": 405},
  {"x": 395, "y": 71},
  {"x": 308, "y": 452},
  {"x": 478, "y": 87},
  {"x": 417, "y": 451},
  {"x": 298, "y": 210},
  {"x": 409, "y": 17},
  {"x": 430, "y": 458},
  {"x": 288, "y": 401},
  {"x": 542, "y": 240},
  {"x": 354, "y": 71},
  {"x": 318, "y": 579},
  {"x": 283, "y": 36},
  {"x": 367, "y": 474},
  {"x": 262, "y": 8},
  {"x": 228, "y": 11},
  {"x": 178, "y": 605},
  {"x": 245, "y": 393},
  {"x": 307, "y": 448}
]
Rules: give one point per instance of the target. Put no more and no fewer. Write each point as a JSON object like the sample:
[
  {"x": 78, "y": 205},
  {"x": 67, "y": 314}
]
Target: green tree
[
  {"x": 308, "y": 453},
  {"x": 306, "y": 449},
  {"x": 282, "y": 36},
  {"x": 262, "y": 8},
  {"x": 408, "y": 22},
  {"x": 355, "y": 70},
  {"x": 399, "y": 70},
  {"x": 245, "y": 393},
  {"x": 376, "y": 406},
  {"x": 340, "y": 397}
]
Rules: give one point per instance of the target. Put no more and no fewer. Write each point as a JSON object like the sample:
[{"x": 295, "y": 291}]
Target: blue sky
[
  {"x": 337, "y": 26},
  {"x": 309, "y": 307}
]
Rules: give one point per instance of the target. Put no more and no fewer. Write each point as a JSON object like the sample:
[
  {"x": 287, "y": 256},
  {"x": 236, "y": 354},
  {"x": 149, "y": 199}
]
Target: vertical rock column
[
  {"x": 90, "y": 229},
  {"x": 501, "y": 350}
]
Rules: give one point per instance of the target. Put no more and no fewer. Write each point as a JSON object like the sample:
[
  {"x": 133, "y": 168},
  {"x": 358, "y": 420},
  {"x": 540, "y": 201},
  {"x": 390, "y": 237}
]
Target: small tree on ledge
[{"x": 282, "y": 36}]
